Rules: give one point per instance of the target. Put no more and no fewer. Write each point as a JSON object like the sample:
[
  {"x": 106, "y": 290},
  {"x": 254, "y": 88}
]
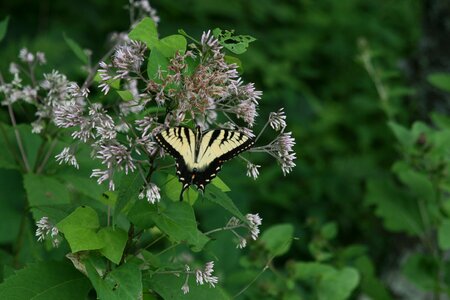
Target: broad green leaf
[
  {"x": 3, "y": 27},
  {"x": 440, "y": 80},
  {"x": 145, "y": 31},
  {"x": 157, "y": 62},
  {"x": 214, "y": 194},
  {"x": 76, "y": 49},
  {"x": 44, "y": 192},
  {"x": 172, "y": 44},
  {"x": 10, "y": 154},
  {"x": 329, "y": 230},
  {"x": 46, "y": 280},
  {"x": 123, "y": 283},
  {"x": 444, "y": 235},
  {"x": 172, "y": 189},
  {"x": 338, "y": 285},
  {"x": 114, "y": 241},
  {"x": 421, "y": 270},
  {"x": 220, "y": 184},
  {"x": 83, "y": 185},
  {"x": 278, "y": 238},
  {"x": 80, "y": 229},
  {"x": 417, "y": 182},
  {"x": 129, "y": 188},
  {"x": 327, "y": 282},
  {"x": 12, "y": 202},
  {"x": 169, "y": 287},
  {"x": 125, "y": 95},
  {"x": 237, "y": 44},
  {"x": 398, "y": 212},
  {"x": 370, "y": 284},
  {"x": 31, "y": 143},
  {"x": 177, "y": 220},
  {"x": 141, "y": 215}
]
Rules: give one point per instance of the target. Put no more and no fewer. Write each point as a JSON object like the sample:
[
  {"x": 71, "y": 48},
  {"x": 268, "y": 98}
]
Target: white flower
[
  {"x": 252, "y": 170},
  {"x": 242, "y": 243},
  {"x": 254, "y": 221},
  {"x": 277, "y": 120},
  {"x": 152, "y": 193},
  {"x": 67, "y": 157},
  {"x": 26, "y": 56},
  {"x": 205, "y": 276},
  {"x": 46, "y": 229}
]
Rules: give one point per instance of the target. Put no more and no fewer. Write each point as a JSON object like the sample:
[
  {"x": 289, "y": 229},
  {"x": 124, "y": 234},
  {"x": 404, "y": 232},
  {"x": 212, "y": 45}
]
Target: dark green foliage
[{"x": 369, "y": 196}]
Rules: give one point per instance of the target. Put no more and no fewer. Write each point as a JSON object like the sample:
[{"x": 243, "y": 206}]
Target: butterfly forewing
[{"x": 179, "y": 142}]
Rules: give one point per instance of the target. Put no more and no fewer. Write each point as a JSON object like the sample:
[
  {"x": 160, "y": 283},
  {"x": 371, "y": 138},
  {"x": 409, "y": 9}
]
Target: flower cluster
[
  {"x": 45, "y": 230},
  {"x": 202, "y": 276}
]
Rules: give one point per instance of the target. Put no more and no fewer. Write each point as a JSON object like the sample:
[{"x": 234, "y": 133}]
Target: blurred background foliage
[{"x": 306, "y": 59}]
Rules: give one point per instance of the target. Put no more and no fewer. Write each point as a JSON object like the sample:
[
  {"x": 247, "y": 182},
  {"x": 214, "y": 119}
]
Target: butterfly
[{"x": 199, "y": 156}]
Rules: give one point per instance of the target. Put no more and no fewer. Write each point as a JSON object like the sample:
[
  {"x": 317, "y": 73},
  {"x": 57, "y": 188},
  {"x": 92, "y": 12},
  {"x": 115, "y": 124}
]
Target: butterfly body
[{"x": 199, "y": 156}]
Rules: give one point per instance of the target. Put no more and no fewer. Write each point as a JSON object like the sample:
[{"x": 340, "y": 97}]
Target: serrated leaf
[
  {"x": 278, "y": 238},
  {"x": 177, "y": 220},
  {"x": 76, "y": 49},
  {"x": 398, "y": 212},
  {"x": 444, "y": 235},
  {"x": 145, "y": 31},
  {"x": 169, "y": 287},
  {"x": 3, "y": 27},
  {"x": 417, "y": 182},
  {"x": 114, "y": 241},
  {"x": 440, "y": 80},
  {"x": 46, "y": 280},
  {"x": 214, "y": 194},
  {"x": 123, "y": 283},
  {"x": 172, "y": 44},
  {"x": 80, "y": 229},
  {"x": 129, "y": 189},
  {"x": 125, "y": 95}
]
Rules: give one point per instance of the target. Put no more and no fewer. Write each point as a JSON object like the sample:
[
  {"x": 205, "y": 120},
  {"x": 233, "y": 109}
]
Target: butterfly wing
[
  {"x": 216, "y": 147},
  {"x": 180, "y": 143}
]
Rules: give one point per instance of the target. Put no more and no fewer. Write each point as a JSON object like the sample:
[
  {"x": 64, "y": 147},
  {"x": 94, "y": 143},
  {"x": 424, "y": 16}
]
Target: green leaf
[
  {"x": 12, "y": 203},
  {"x": 80, "y": 229},
  {"x": 114, "y": 241},
  {"x": 145, "y": 31},
  {"x": 329, "y": 230},
  {"x": 220, "y": 184},
  {"x": 403, "y": 135},
  {"x": 125, "y": 95},
  {"x": 172, "y": 44},
  {"x": 327, "y": 282},
  {"x": 83, "y": 185},
  {"x": 123, "y": 283},
  {"x": 278, "y": 238},
  {"x": 444, "y": 235},
  {"x": 172, "y": 189},
  {"x": 417, "y": 182},
  {"x": 421, "y": 270},
  {"x": 141, "y": 215},
  {"x": 76, "y": 49},
  {"x": 398, "y": 212},
  {"x": 46, "y": 280},
  {"x": 169, "y": 287},
  {"x": 129, "y": 189},
  {"x": 214, "y": 194},
  {"x": 440, "y": 80},
  {"x": 3, "y": 27},
  {"x": 370, "y": 284},
  {"x": 44, "y": 192},
  {"x": 8, "y": 144},
  {"x": 177, "y": 220},
  {"x": 234, "y": 60},
  {"x": 157, "y": 61},
  {"x": 237, "y": 44}
]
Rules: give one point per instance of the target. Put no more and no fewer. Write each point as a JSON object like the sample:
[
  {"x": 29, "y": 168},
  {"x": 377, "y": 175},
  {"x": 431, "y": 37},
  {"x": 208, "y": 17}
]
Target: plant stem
[{"x": 18, "y": 139}]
